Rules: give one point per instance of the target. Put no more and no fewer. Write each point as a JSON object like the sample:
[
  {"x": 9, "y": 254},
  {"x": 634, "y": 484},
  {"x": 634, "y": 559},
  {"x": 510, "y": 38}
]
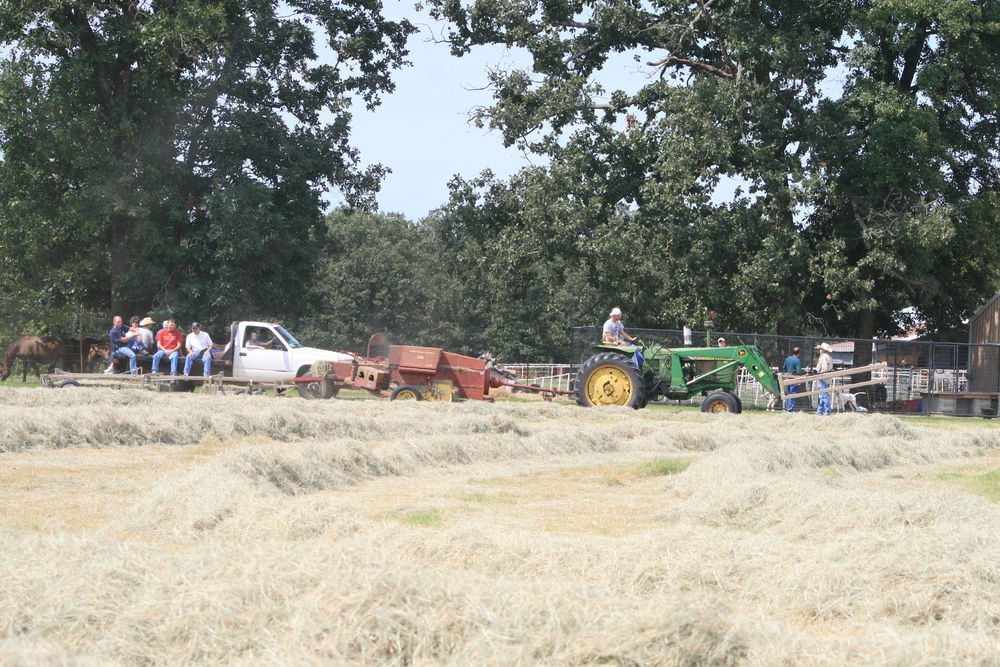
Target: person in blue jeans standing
[
  {"x": 792, "y": 366},
  {"x": 199, "y": 346},
  {"x": 824, "y": 365}
]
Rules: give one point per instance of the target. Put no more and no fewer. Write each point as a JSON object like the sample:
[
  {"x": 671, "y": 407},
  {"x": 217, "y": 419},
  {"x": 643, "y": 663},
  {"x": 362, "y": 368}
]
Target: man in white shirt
[
  {"x": 199, "y": 346},
  {"x": 146, "y": 333},
  {"x": 824, "y": 365},
  {"x": 614, "y": 330}
]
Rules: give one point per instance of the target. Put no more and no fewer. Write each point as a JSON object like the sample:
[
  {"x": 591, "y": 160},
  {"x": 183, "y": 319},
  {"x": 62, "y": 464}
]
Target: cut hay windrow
[{"x": 264, "y": 530}]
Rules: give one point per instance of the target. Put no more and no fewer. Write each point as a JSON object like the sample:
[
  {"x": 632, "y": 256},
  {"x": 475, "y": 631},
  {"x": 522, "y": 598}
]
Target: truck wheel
[
  {"x": 720, "y": 401},
  {"x": 319, "y": 389},
  {"x": 610, "y": 379},
  {"x": 406, "y": 392}
]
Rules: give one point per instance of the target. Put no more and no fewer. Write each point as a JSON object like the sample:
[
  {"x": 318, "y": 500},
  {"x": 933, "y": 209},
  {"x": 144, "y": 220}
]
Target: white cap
[
  {"x": 825, "y": 347},
  {"x": 616, "y": 311}
]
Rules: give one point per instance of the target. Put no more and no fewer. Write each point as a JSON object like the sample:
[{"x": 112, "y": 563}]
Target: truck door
[{"x": 263, "y": 355}]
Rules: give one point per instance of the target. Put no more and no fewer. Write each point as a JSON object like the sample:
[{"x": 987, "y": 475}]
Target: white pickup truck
[
  {"x": 256, "y": 351},
  {"x": 266, "y": 352}
]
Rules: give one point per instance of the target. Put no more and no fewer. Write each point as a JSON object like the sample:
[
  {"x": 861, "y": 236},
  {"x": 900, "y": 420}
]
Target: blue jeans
[
  {"x": 790, "y": 402},
  {"x": 205, "y": 358},
  {"x": 824, "y": 399},
  {"x": 128, "y": 354},
  {"x": 174, "y": 356}
]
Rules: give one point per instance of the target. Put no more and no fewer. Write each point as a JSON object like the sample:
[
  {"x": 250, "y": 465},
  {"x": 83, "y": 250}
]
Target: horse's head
[
  {"x": 4, "y": 372},
  {"x": 99, "y": 351}
]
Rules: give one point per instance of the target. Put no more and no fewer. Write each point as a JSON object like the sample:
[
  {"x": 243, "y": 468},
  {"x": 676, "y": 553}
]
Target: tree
[
  {"x": 852, "y": 207},
  {"x": 171, "y": 155},
  {"x": 380, "y": 273}
]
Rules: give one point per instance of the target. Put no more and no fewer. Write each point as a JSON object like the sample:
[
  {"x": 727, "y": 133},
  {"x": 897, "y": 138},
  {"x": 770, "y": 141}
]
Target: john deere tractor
[{"x": 616, "y": 375}]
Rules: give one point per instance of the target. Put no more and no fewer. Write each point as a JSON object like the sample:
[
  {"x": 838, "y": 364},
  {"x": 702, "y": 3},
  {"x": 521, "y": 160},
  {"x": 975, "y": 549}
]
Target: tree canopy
[
  {"x": 863, "y": 135},
  {"x": 172, "y": 155}
]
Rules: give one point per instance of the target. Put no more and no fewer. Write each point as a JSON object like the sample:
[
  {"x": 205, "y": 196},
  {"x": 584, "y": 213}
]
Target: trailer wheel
[
  {"x": 406, "y": 392},
  {"x": 720, "y": 401},
  {"x": 610, "y": 379},
  {"x": 318, "y": 389},
  {"x": 69, "y": 383}
]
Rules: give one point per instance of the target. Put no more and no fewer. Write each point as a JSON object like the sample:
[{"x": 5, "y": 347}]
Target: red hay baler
[{"x": 411, "y": 372}]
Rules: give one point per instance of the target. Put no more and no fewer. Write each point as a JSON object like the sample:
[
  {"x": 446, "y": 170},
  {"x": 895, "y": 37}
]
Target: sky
[{"x": 421, "y": 131}]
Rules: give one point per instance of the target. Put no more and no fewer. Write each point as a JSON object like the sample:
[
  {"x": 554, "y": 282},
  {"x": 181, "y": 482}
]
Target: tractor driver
[{"x": 614, "y": 330}]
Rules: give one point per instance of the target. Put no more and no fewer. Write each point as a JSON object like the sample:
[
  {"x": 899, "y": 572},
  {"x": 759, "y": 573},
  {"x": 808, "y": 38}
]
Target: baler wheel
[
  {"x": 610, "y": 379},
  {"x": 320, "y": 389},
  {"x": 406, "y": 392},
  {"x": 720, "y": 401}
]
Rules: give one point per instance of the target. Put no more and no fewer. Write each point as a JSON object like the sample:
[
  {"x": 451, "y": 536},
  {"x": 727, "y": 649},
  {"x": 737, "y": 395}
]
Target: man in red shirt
[{"x": 169, "y": 343}]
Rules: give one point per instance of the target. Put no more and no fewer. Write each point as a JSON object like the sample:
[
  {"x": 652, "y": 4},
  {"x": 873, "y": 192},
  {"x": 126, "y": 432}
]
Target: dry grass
[{"x": 141, "y": 527}]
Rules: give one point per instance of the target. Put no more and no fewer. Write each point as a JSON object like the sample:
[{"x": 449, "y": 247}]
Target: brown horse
[{"x": 35, "y": 350}]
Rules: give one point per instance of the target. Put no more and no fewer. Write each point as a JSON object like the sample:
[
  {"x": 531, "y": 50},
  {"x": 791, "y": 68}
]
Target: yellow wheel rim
[
  {"x": 718, "y": 406},
  {"x": 609, "y": 385},
  {"x": 407, "y": 395}
]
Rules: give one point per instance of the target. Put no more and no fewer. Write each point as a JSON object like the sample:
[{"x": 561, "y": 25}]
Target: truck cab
[{"x": 267, "y": 352}]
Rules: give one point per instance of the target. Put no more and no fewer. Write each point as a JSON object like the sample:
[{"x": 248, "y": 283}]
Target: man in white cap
[
  {"x": 824, "y": 365},
  {"x": 614, "y": 330}
]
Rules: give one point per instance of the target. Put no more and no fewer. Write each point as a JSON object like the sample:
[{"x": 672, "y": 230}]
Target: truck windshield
[{"x": 292, "y": 343}]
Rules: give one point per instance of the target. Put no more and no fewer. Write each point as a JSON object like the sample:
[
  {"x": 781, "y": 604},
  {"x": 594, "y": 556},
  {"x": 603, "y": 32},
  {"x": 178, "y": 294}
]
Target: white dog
[{"x": 848, "y": 399}]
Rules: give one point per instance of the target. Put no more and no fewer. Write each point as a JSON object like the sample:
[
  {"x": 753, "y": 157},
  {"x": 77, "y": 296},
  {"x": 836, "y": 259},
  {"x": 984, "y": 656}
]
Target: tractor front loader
[{"x": 613, "y": 375}]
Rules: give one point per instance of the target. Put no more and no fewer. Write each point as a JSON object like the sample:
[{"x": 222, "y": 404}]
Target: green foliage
[
  {"x": 171, "y": 156},
  {"x": 659, "y": 467},
  {"x": 380, "y": 273},
  {"x": 855, "y": 205}
]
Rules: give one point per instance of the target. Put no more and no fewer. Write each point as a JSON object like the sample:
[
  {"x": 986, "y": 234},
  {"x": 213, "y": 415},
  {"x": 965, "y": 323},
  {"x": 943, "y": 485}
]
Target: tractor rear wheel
[
  {"x": 610, "y": 379},
  {"x": 720, "y": 401}
]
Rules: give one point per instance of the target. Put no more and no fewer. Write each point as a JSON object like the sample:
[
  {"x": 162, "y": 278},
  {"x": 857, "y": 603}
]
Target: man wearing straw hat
[{"x": 824, "y": 365}]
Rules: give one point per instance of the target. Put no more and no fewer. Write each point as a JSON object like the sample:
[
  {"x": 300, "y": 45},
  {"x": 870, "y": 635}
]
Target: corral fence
[
  {"x": 922, "y": 377},
  {"x": 547, "y": 376}
]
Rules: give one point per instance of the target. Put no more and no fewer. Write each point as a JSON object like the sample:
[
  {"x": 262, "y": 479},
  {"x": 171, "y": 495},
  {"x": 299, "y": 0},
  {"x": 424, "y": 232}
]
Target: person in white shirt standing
[
  {"x": 614, "y": 330},
  {"x": 199, "y": 346},
  {"x": 824, "y": 365}
]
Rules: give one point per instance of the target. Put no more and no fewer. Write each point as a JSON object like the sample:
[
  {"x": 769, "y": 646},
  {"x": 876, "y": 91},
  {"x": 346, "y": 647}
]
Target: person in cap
[
  {"x": 792, "y": 366},
  {"x": 614, "y": 330},
  {"x": 721, "y": 342},
  {"x": 199, "y": 347},
  {"x": 824, "y": 365},
  {"x": 146, "y": 334}
]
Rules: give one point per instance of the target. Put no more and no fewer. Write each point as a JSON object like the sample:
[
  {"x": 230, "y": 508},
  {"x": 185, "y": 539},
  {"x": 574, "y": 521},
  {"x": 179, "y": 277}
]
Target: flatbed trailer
[{"x": 212, "y": 384}]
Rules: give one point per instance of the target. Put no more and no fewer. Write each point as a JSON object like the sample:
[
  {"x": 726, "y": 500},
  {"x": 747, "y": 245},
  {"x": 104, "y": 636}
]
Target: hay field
[{"x": 155, "y": 528}]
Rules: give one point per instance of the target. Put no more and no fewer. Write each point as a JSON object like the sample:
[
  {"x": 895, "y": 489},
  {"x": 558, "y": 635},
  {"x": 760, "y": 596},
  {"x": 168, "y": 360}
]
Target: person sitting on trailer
[
  {"x": 122, "y": 338},
  {"x": 169, "y": 340},
  {"x": 146, "y": 333},
  {"x": 199, "y": 347},
  {"x": 614, "y": 330}
]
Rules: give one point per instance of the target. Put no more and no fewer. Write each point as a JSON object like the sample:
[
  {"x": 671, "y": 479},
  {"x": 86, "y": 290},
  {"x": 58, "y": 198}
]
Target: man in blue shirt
[
  {"x": 122, "y": 338},
  {"x": 792, "y": 366}
]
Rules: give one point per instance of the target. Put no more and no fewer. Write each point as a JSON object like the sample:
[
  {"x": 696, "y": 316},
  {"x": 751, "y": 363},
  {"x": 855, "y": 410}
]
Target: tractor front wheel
[
  {"x": 610, "y": 379},
  {"x": 720, "y": 401}
]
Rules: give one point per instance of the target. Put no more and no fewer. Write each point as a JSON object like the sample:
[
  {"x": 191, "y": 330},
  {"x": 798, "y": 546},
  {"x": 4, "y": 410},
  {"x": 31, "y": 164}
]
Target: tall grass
[{"x": 284, "y": 531}]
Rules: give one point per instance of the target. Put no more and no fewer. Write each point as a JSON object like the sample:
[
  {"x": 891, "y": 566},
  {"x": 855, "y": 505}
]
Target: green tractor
[{"x": 616, "y": 375}]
